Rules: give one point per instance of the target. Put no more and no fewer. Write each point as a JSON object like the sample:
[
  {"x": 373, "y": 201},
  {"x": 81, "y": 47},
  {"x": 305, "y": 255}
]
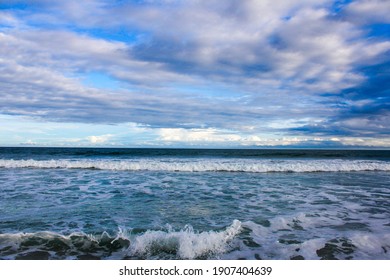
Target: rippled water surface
[{"x": 194, "y": 204}]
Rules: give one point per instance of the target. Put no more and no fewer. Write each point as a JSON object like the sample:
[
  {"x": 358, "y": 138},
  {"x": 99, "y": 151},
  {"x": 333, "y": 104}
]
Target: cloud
[
  {"x": 196, "y": 135},
  {"x": 29, "y": 142},
  {"x": 363, "y": 110},
  {"x": 99, "y": 139},
  {"x": 8, "y": 20},
  {"x": 369, "y": 11},
  {"x": 226, "y": 138},
  {"x": 200, "y": 69}
]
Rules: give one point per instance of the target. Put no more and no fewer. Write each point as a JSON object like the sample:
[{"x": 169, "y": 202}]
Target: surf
[
  {"x": 186, "y": 243},
  {"x": 204, "y": 165}
]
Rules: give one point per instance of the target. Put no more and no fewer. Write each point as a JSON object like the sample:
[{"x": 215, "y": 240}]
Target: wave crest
[
  {"x": 205, "y": 165},
  {"x": 183, "y": 244},
  {"x": 187, "y": 243}
]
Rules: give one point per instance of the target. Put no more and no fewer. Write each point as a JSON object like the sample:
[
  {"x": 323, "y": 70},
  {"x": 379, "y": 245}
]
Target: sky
[{"x": 195, "y": 73}]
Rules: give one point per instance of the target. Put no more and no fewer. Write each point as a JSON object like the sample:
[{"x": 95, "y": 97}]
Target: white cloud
[
  {"x": 197, "y": 135},
  {"x": 274, "y": 58},
  {"x": 101, "y": 139},
  {"x": 8, "y": 20},
  {"x": 29, "y": 132},
  {"x": 29, "y": 142},
  {"x": 365, "y": 142},
  {"x": 212, "y": 136},
  {"x": 369, "y": 11},
  {"x": 217, "y": 39}
]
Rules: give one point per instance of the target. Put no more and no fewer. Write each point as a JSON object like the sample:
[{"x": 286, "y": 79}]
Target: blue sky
[{"x": 175, "y": 73}]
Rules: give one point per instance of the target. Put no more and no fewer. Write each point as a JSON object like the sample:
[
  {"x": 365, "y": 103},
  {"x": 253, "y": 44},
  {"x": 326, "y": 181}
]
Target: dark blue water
[
  {"x": 72, "y": 203},
  {"x": 53, "y": 153}
]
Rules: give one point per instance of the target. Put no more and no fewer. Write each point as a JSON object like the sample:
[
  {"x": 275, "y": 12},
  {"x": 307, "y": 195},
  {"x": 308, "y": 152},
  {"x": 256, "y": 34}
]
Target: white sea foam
[
  {"x": 372, "y": 246},
  {"x": 279, "y": 240},
  {"x": 204, "y": 165},
  {"x": 183, "y": 244},
  {"x": 188, "y": 243}
]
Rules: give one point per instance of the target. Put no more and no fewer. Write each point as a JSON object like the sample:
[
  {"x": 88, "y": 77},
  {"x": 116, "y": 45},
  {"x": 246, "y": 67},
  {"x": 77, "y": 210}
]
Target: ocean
[{"x": 89, "y": 203}]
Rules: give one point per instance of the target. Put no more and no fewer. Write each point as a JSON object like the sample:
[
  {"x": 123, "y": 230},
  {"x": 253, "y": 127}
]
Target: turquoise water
[{"x": 194, "y": 204}]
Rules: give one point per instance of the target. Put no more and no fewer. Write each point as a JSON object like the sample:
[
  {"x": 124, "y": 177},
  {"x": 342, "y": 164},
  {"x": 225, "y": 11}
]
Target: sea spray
[{"x": 187, "y": 243}]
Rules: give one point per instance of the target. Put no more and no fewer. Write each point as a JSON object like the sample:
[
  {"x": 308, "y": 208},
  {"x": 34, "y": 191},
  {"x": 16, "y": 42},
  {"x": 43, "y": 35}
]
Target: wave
[
  {"x": 240, "y": 240},
  {"x": 159, "y": 244},
  {"x": 205, "y": 165}
]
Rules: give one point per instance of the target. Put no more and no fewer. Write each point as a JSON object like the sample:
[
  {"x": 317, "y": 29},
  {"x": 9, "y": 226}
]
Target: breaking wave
[
  {"x": 205, "y": 165},
  {"x": 158, "y": 244},
  {"x": 246, "y": 240}
]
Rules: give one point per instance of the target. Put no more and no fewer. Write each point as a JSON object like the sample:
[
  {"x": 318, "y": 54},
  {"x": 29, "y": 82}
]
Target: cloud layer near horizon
[{"x": 242, "y": 72}]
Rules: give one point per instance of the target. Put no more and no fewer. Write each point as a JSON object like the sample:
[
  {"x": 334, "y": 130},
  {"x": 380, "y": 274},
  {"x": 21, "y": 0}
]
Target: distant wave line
[{"x": 204, "y": 165}]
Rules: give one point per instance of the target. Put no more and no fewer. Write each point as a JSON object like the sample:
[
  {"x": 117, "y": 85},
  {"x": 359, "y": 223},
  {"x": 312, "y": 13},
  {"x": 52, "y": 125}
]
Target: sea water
[{"x": 84, "y": 203}]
